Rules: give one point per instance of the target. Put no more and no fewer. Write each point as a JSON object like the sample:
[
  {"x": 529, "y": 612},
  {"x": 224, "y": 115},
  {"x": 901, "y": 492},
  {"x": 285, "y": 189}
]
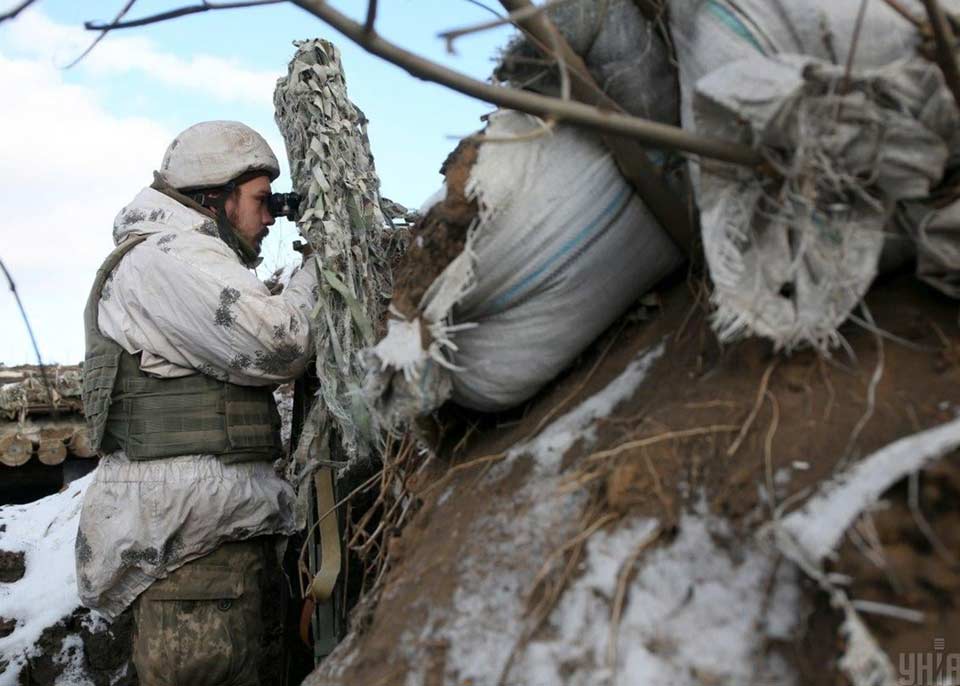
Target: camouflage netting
[{"x": 332, "y": 169}]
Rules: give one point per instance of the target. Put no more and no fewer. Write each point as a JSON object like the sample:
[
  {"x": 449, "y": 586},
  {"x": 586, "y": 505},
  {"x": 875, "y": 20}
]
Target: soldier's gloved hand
[{"x": 305, "y": 249}]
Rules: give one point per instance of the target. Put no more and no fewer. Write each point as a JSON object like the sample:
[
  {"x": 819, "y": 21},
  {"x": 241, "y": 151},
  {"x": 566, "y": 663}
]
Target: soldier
[{"x": 184, "y": 346}]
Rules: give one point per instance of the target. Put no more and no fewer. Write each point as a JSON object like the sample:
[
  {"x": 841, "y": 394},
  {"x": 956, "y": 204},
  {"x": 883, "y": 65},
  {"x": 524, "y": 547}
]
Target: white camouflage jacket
[{"x": 184, "y": 301}]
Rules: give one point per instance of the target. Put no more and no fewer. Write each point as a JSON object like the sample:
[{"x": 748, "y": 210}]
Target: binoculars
[{"x": 284, "y": 205}]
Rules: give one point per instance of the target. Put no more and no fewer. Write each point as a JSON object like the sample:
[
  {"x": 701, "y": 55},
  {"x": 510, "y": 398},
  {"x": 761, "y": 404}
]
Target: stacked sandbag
[
  {"x": 793, "y": 248},
  {"x": 538, "y": 245},
  {"x": 626, "y": 56}
]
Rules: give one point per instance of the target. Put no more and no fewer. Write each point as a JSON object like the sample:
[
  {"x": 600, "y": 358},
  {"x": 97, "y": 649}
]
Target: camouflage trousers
[{"x": 203, "y": 624}]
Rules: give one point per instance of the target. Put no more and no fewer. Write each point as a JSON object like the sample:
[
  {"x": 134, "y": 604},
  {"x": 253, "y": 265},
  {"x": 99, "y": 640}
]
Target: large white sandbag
[{"x": 561, "y": 247}]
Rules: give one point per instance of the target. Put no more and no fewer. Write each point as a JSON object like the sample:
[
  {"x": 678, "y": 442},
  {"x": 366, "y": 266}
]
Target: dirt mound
[
  {"x": 12, "y": 566},
  {"x": 82, "y": 649},
  {"x": 658, "y": 448}
]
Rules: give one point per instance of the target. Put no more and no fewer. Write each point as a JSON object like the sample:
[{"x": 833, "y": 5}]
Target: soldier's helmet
[{"x": 213, "y": 153}]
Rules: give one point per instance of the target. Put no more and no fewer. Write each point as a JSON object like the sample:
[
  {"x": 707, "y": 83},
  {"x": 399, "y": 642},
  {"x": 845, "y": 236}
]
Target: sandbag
[
  {"x": 559, "y": 247},
  {"x": 792, "y": 250},
  {"x": 623, "y": 51},
  {"x": 791, "y": 253},
  {"x": 708, "y": 34}
]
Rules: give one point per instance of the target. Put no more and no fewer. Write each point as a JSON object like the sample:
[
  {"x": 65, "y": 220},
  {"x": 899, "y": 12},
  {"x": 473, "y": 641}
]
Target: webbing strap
[{"x": 321, "y": 588}]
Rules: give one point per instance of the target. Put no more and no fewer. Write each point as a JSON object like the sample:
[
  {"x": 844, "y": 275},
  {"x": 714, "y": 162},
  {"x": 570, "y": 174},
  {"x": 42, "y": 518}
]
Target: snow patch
[
  {"x": 549, "y": 446},
  {"x": 816, "y": 528},
  {"x": 488, "y": 614},
  {"x": 681, "y": 593},
  {"x": 72, "y": 657},
  {"x": 45, "y": 531}
]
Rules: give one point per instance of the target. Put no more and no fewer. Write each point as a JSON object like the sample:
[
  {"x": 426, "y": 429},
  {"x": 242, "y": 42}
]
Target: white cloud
[
  {"x": 68, "y": 164},
  {"x": 67, "y": 167},
  {"x": 36, "y": 35}
]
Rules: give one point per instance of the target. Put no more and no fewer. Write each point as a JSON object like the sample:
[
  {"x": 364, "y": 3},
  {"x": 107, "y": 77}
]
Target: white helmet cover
[{"x": 212, "y": 153}]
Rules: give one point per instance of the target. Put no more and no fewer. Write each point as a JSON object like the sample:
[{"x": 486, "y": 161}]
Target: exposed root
[
  {"x": 871, "y": 392},
  {"x": 745, "y": 429},
  {"x": 623, "y": 579},
  {"x": 768, "y": 452},
  {"x": 659, "y": 438}
]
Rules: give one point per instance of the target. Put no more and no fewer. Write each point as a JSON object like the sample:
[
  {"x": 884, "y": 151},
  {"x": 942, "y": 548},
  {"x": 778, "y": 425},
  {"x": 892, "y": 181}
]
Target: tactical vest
[{"x": 151, "y": 418}]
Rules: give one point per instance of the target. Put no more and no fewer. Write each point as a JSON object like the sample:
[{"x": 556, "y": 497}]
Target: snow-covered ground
[{"x": 45, "y": 530}]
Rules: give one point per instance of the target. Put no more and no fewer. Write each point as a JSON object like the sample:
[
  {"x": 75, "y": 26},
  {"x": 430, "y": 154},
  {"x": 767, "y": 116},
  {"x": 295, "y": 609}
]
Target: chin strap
[{"x": 202, "y": 203}]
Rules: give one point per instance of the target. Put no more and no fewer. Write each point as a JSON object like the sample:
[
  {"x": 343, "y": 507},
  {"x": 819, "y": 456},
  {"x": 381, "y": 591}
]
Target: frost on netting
[{"x": 333, "y": 170}]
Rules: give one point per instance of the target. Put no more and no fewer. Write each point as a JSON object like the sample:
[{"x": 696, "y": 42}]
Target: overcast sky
[{"x": 77, "y": 144}]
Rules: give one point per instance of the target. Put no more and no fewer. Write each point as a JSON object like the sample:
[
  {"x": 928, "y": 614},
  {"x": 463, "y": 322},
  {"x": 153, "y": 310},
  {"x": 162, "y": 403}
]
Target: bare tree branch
[
  {"x": 120, "y": 15},
  {"x": 11, "y": 14},
  {"x": 179, "y": 12},
  {"x": 943, "y": 35},
  {"x": 33, "y": 339},
  {"x": 371, "y": 16},
  {"x": 512, "y": 18},
  {"x": 485, "y": 6},
  {"x": 647, "y": 132}
]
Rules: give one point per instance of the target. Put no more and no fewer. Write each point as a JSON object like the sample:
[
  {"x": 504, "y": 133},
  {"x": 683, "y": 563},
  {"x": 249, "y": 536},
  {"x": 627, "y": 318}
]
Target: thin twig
[
  {"x": 576, "y": 391},
  {"x": 178, "y": 12},
  {"x": 660, "y": 438},
  {"x": 887, "y": 610},
  {"x": 831, "y": 394},
  {"x": 453, "y": 34},
  {"x": 11, "y": 14},
  {"x": 871, "y": 389},
  {"x": 576, "y": 540},
  {"x": 362, "y": 487},
  {"x": 485, "y": 6},
  {"x": 459, "y": 468},
  {"x": 371, "y": 16},
  {"x": 945, "y": 41},
  {"x": 732, "y": 450},
  {"x": 33, "y": 340},
  {"x": 658, "y": 485},
  {"x": 618, "y": 599},
  {"x": 651, "y": 133},
  {"x": 913, "y": 500},
  {"x": 768, "y": 452},
  {"x": 120, "y": 15},
  {"x": 854, "y": 42},
  {"x": 897, "y": 7},
  {"x": 910, "y": 345}
]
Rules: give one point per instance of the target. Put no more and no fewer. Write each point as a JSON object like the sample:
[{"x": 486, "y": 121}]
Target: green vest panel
[{"x": 150, "y": 417}]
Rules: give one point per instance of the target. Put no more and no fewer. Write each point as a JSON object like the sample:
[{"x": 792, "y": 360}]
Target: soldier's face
[{"x": 247, "y": 210}]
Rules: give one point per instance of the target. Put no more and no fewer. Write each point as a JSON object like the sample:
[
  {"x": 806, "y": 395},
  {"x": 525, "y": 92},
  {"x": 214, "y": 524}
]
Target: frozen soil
[{"x": 471, "y": 600}]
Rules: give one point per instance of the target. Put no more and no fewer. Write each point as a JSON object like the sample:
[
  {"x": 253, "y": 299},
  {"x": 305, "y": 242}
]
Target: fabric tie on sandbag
[
  {"x": 791, "y": 253},
  {"x": 559, "y": 248}
]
